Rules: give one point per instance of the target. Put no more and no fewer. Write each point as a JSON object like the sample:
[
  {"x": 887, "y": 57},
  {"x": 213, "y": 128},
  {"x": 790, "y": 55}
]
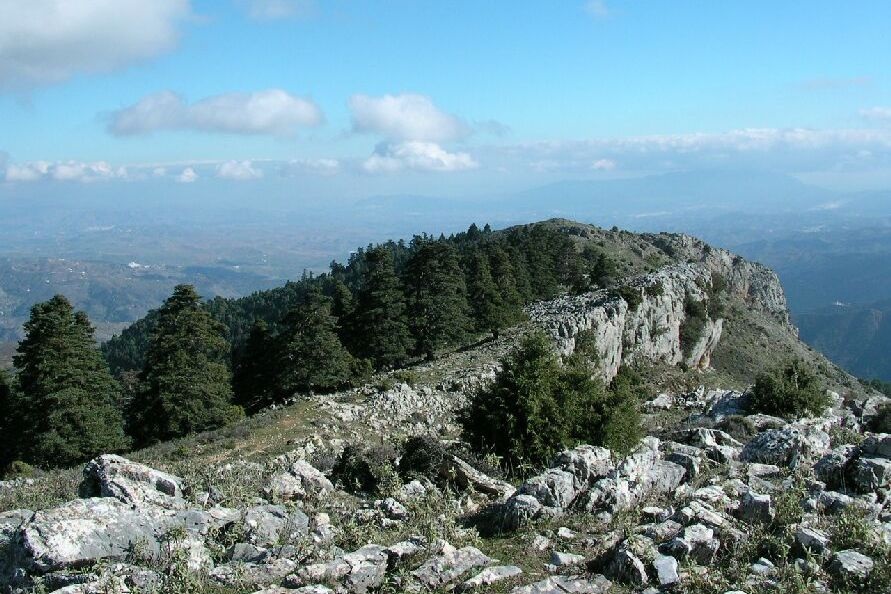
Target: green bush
[
  {"x": 696, "y": 316},
  {"x": 364, "y": 469},
  {"x": 882, "y": 421},
  {"x": 631, "y": 295},
  {"x": 792, "y": 390},
  {"x": 422, "y": 458},
  {"x": 536, "y": 407}
]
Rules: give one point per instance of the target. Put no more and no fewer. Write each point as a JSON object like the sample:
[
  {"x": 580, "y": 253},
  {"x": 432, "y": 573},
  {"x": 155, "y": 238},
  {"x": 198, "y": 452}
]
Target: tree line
[{"x": 192, "y": 366}]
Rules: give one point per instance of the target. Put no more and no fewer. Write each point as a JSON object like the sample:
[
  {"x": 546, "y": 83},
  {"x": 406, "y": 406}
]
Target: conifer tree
[
  {"x": 253, "y": 376},
  {"x": 65, "y": 406},
  {"x": 186, "y": 384},
  {"x": 503, "y": 274},
  {"x": 343, "y": 306},
  {"x": 437, "y": 296},
  {"x": 8, "y": 443},
  {"x": 309, "y": 354},
  {"x": 381, "y": 330},
  {"x": 489, "y": 310}
]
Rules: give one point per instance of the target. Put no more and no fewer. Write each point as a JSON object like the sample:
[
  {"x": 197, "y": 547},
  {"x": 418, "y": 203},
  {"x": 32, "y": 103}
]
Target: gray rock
[
  {"x": 756, "y": 508},
  {"x": 832, "y": 468},
  {"x": 270, "y": 525},
  {"x": 697, "y": 543},
  {"x": 246, "y": 553},
  {"x": 553, "y": 488},
  {"x": 519, "y": 510},
  {"x": 489, "y": 576},
  {"x": 465, "y": 475},
  {"x": 812, "y": 540},
  {"x": 566, "y": 585},
  {"x": 666, "y": 570},
  {"x": 587, "y": 463},
  {"x": 870, "y": 474},
  {"x": 559, "y": 559},
  {"x": 252, "y": 575},
  {"x": 850, "y": 565},
  {"x": 449, "y": 565},
  {"x": 877, "y": 444},
  {"x": 130, "y": 482},
  {"x": 786, "y": 447},
  {"x": 82, "y": 531},
  {"x": 627, "y": 568},
  {"x": 392, "y": 509}
]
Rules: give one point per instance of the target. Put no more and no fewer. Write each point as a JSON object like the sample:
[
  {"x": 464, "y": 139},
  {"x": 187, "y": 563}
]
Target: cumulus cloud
[
  {"x": 405, "y": 117},
  {"x": 273, "y": 10},
  {"x": 273, "y": 112},
  {"x": 64, "y": 171},
  {"x": 793, "y": 149},
  {"x": 416, "y": 155},
  {"x": 597, "y": 9},
  {"x": 49, "y": 41},
  {"x": 882, "y": 114},
  {"x": 187, "y": 176},
  {"x": 314, "y": 166},
  {"x": 238, "y": 170}
]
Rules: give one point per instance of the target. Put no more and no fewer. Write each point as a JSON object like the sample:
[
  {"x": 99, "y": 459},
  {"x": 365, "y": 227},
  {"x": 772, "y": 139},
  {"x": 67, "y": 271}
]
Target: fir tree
[
  {"x": 186, "y": 385},
  {"x": 437, "y": 296},
  {"x": 489, "y": 311},
  {"x": 8, "y": 441},
  {"x": 381, "y": 330},
  {"x": 253, "y": 379},
  {"x": 65, "y": 405},
  {"x": 309, "y": 354},
  {"x": 343, "y": 307},
  {"x": 505, "y": 279}
]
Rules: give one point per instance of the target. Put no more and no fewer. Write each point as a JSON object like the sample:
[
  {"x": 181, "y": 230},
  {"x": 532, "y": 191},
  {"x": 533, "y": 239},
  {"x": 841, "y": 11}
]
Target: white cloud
[
  {"x": 416, "y": 155},
  {"x": 792, "y": 149},
  {"x": 603, "y": 165},
  {"x": 238, "y": 170},
  {"x": 64, "y": 171},
  {"x": 273, "y": 111},
  {"x": 49, "y": 41},
  {"x": 597, "y": 9},
  {"x": 187, "y": 176},
  {"x": 882, "y": 114},
  {"x": 316, "y": 166},
  {"x": 405, "y": 117},
  {"x": 272, "y": 10}
]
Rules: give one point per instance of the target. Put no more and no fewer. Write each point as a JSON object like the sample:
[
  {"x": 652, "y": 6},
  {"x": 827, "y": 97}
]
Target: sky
[{"x": 315, "y": 99}]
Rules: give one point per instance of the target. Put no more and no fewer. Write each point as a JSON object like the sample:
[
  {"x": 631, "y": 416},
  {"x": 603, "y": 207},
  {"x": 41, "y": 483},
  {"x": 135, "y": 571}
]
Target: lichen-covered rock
[
  {"x": 449, "y": 565},
  {"x": 570, "y": 584},
  {"x": 130, "y": 482},
  {"x": 786, "y": 447},
  {"x": 850, "y": 565}
]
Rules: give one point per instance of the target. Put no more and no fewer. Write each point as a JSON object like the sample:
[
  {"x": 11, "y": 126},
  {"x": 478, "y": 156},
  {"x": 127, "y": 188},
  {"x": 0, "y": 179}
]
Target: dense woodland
[{"x": 191, "y": 366}]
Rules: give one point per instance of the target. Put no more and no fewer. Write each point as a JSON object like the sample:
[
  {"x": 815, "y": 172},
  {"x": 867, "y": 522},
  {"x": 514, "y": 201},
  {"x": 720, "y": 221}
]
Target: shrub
[
  {"x": 364, "y": 470},
  {"x": 882, "y": 421},
  {"x": 631, "y": 295},
  {"x": 792, "y": 390},
  {"x": 739, "y": 427},
  {"x": 422, "y": 458},
  {"x": 536, "y": 406},
  {"x": 696, "y": 316}
]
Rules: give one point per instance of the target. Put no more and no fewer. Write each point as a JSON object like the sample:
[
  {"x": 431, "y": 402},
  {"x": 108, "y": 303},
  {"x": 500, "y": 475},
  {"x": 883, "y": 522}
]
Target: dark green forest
[{"x": 195, "y": 365}]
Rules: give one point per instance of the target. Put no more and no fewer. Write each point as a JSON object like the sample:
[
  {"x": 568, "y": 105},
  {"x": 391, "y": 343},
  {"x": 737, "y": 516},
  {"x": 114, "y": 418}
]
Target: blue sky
[{"x": 355, "y": 98}]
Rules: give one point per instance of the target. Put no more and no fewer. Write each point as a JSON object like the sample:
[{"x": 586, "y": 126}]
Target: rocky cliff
[{"x": 645, "y": 319}]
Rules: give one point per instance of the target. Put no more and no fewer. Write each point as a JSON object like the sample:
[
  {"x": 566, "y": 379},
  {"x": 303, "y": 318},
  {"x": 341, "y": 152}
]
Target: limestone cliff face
[{"x": 649, "y": 327}]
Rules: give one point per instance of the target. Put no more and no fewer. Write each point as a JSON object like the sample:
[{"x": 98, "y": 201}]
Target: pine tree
[
  {"x": 489, "y": 310},
  {"x": 65, "y": 406},
  {"x": 437, "y": 296},
  {"x": 382, "y": 334},
  {"x": 503, "y": 274},
  {"x": 309, "y": 354},
  {"x": 8, "y": 441},
  {"x": 343, "y": 307},
  {"x": 253, "y": 378},
  {"x": 186, "y": 385}
]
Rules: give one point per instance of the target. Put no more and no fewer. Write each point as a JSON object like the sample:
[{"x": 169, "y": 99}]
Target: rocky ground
[{"x": 713, "y": 500}]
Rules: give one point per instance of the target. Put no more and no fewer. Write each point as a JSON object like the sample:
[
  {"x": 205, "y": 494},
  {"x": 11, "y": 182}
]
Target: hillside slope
[{"x": 263, "y": 505}]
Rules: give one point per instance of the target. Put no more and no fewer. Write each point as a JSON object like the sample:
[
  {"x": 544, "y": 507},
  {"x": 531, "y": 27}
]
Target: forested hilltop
[{"x": 602, "y": 411}]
